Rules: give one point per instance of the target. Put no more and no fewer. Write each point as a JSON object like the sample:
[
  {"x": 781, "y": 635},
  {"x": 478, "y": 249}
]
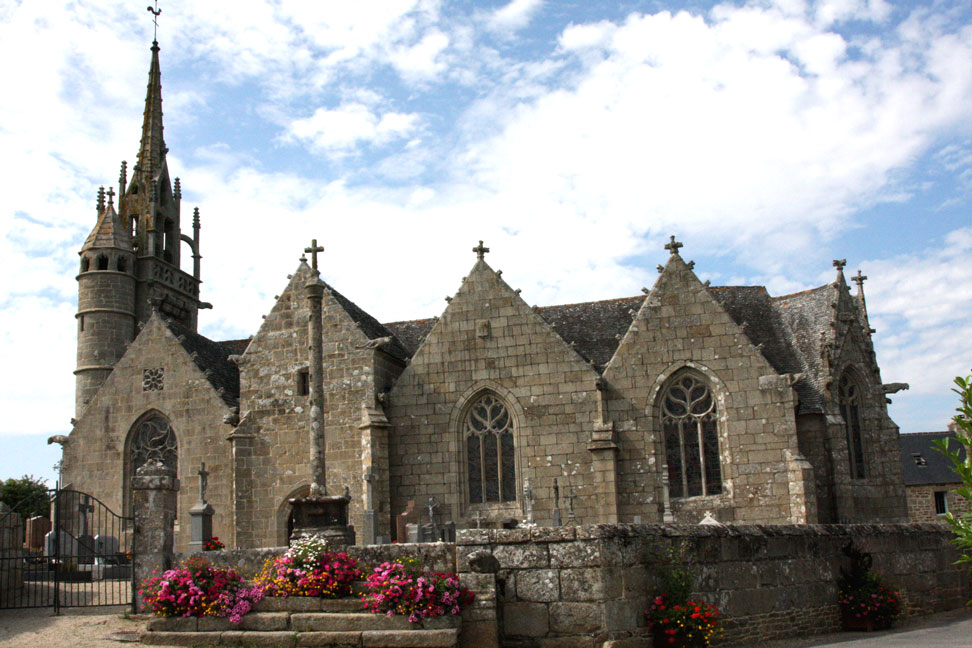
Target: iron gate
[{"x": 81, "y": 556}]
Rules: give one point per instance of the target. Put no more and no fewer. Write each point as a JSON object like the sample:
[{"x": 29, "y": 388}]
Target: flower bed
[
  {"x": 196, "y": 588},
  {"x": 402, "y": 588},
  {"x": 308, "y": 568},
  {"x": 692, "y": 623}
]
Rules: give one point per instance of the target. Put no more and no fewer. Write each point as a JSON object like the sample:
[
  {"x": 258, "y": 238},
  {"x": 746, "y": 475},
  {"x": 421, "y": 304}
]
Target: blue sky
[{"x": 573, "y": 137}]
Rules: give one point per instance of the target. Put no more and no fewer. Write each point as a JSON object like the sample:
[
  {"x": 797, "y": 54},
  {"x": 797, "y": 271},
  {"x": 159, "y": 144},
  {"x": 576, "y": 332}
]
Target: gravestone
[
  {"x": 85, "y": 549},
  {"x": 68, "y": 548},
  {"x": 412, "y": 533},
  {"x": 201, "y": 516},
  {"x": 37, "y": 528},
  {"x": 428, "y": 533},
  {"x": 106, "y": 547}
]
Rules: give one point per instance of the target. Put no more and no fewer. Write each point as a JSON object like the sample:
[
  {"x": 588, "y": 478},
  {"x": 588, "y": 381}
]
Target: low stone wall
[
  {"x": 437, "y": 556},
  {"x": 580, "y": 587}
]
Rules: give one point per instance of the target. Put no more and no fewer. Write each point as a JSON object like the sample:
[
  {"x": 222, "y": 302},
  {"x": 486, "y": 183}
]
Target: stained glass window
[
  {"x": 490, "y": 454},
  {"x": 690, "y": 430},
  {"x": 850, "y": 408}
]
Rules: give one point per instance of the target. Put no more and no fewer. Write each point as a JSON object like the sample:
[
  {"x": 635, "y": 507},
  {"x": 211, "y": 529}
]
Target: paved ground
[
  {"x": 946, "y": 630},
  {"x": 76, "y": 628},
  {"x": 108, "y": 628}
]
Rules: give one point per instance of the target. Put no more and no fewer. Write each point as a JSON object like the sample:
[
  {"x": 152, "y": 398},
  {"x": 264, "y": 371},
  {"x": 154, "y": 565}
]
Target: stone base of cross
[{"x": 323, "y": 516}]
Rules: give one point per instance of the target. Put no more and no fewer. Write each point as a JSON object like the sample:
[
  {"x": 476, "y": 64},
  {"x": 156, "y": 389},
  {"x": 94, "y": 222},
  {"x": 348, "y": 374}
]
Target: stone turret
[{"x": 106, "y": 301}]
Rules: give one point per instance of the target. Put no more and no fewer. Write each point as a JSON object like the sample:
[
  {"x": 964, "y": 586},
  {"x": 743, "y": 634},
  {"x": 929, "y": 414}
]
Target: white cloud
[
  {"x": 513, "y": 16},
  {"x": 350, "y": 125},
  {"x": 920, "y": 305},
  {"x": 422, "y": 60}
]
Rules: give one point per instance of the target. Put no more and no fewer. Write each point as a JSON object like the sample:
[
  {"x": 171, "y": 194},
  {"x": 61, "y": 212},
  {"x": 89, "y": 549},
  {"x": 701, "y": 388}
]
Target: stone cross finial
[
  {"x": 673, "y": 245},
  {"x": 859, "y": 279},
  {"x": 839, "y": 264},
  {"x": 203, "y": 481},
  {"x": 314, "y": 249},
  {"x": 480, "y": 251},
  {"x": 155, "y": 20},
  {"x": 111, "y": 195}
]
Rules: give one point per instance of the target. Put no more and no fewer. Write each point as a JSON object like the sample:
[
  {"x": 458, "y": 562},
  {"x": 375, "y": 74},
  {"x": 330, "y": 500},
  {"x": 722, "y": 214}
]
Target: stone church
[{"x": 686, "y": 400}]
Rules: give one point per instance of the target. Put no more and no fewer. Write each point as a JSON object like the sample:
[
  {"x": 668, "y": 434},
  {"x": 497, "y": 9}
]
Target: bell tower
[{"x": 130, "y": 263}]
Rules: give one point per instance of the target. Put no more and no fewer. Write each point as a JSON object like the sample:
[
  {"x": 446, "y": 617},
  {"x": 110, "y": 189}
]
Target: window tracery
[
  {"x": 690, "y": 429},
  {"x": 849, "y": 400},
  {"x": 490, "y": 451}
]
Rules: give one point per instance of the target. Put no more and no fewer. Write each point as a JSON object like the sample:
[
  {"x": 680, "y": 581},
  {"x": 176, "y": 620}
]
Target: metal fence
[{"x": 80, "y": 555}]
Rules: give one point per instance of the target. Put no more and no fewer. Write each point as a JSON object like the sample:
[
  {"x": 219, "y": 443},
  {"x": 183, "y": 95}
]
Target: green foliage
[
  {"x": 672, "y": 567},
  {"x": 862, "y": 593},
  {"x": 962, "y": 465},
  {"x": 26, "y": 495}
]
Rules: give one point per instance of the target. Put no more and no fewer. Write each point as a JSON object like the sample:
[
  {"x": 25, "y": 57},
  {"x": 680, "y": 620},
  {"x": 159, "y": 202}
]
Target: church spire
[{"x": 151, "y": 153}]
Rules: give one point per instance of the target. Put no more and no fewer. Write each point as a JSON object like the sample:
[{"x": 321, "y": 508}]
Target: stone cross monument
[{"x": 319, "y": 514}]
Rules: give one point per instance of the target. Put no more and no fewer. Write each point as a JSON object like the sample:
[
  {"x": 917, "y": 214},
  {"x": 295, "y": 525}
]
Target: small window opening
[
  {"x": 919, "y": 460},
  {"x": 85, "y": 264},
  {"x": 941, "y": 503},
  {"x": 81, "y": 324},
  {"x": 102, "y": 262},
  {"x": 303, "y": 382},
  {"x": 121, "y": 265}
]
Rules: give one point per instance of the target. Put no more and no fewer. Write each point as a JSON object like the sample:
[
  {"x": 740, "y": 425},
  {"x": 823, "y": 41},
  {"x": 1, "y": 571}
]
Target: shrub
[
  {"x": 214, "y": 544},
  {"x": 401, "y": 588},
  {"x": 862, "y": 594},
  {"x": 673, "y": 617}
]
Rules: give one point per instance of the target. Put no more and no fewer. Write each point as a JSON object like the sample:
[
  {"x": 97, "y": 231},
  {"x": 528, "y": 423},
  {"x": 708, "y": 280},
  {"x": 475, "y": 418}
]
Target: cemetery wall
[{"x": 582, "y": 586}]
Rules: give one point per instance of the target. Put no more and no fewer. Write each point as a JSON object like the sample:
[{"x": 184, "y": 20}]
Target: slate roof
[
  {"x": 781, "y": 325},
  {"x": 212, "y": 357},
  {"x": 412, "y": 333},
  {"x": 108, "y": 232},
  {"x": 806, "y": 315},
  {"x": 371, "y": 327},
  {"x": 935, "y": 469},
  {"x": 593, "y": 327},
  {"x": 787, "y": 328}
]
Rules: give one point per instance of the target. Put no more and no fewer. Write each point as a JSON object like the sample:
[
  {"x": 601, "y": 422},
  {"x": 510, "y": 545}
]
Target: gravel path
[{"x": 74, "y": 628}]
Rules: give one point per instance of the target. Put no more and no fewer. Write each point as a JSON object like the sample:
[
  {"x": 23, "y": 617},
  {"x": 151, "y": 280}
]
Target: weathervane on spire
[{"x": 155, "y": 20}]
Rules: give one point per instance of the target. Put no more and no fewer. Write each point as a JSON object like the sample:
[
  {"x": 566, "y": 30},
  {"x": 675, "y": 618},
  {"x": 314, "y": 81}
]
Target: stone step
[
  {"x": 308, "y": 604},
  {"x": 445, "y": 638}
]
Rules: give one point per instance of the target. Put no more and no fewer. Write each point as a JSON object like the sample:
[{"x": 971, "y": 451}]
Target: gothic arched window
[
  {"x": 690, "y": 427},
  {"x": 151, "y": 438},
  {"x": 490, "y": 463},
  {"x": 849, "y": 399}
]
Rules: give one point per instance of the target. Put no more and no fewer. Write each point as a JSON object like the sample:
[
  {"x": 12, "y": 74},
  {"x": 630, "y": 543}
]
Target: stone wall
[
  {"x": 439, "y": 556},
  {"x": 574, "y": 587},
  {"x": 681, "y": 327},
  {"x": 921, "y": 502},
  {"x": 96, "y": 454},
  {"x": 489, "y": 339}
]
